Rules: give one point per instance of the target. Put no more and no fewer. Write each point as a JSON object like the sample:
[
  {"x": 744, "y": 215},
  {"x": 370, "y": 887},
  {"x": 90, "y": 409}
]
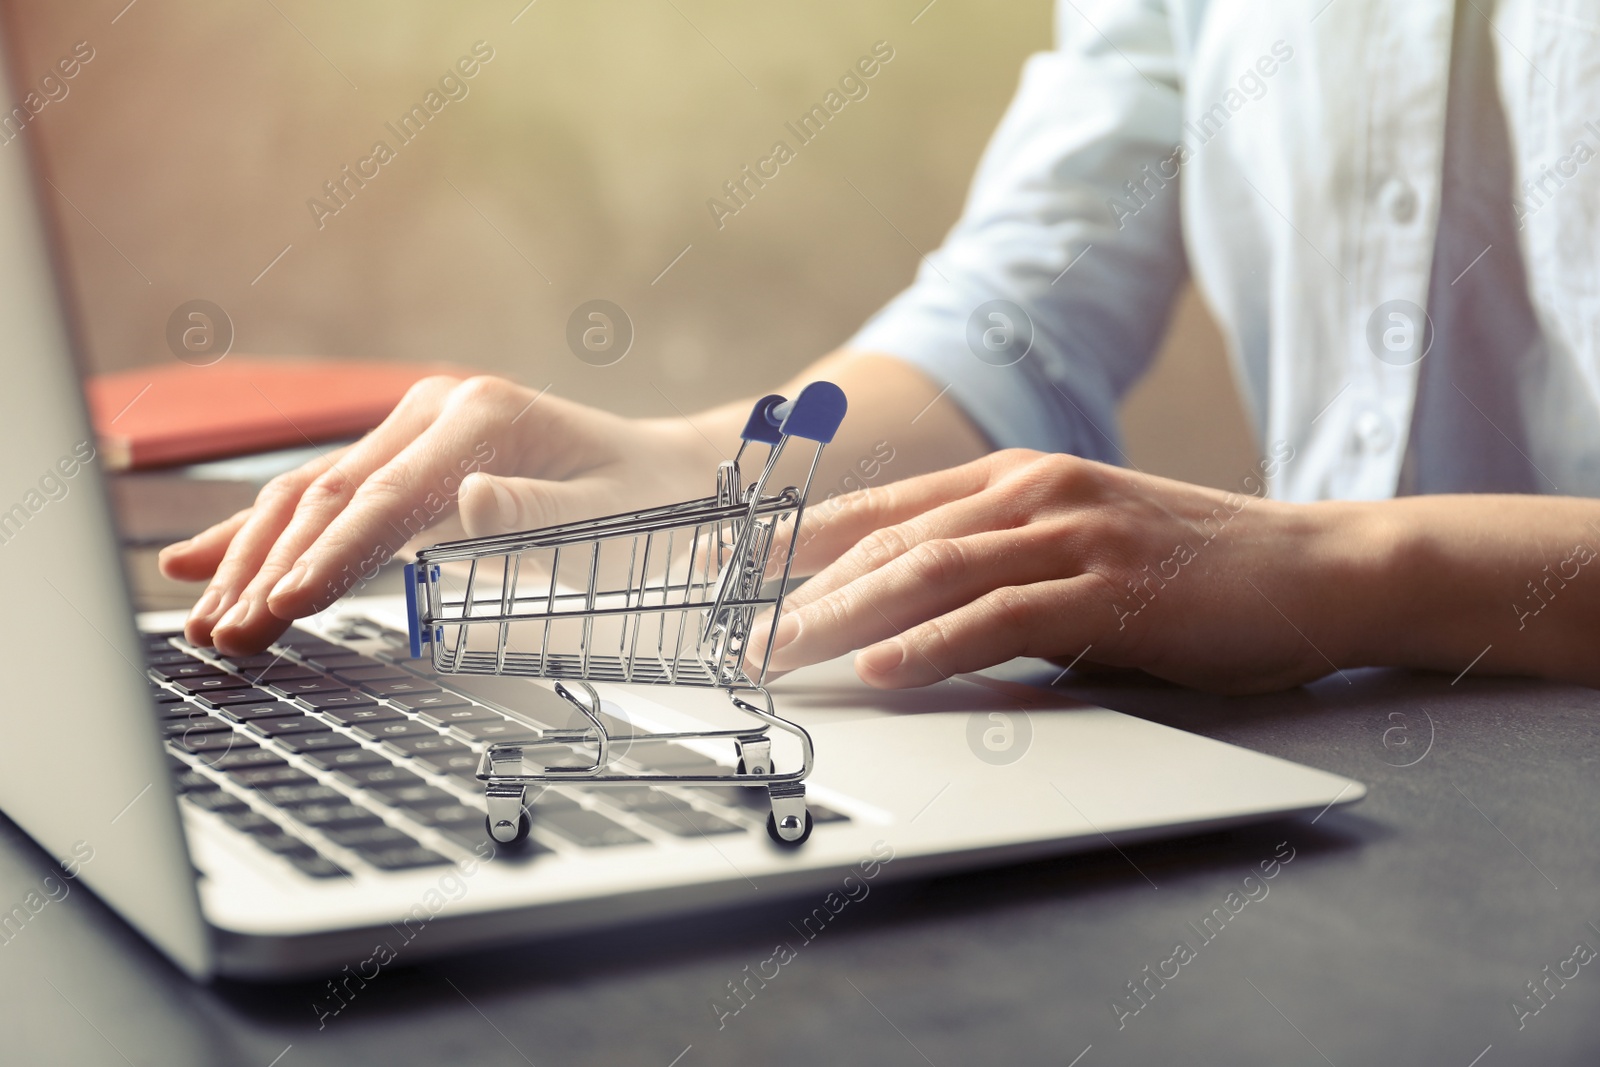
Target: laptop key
[
  {"x": 371, "y": 672},
  {"x": 230, "y": 697},
  {"x": 402, "y": 859},
  {"x": 432, "y": 745},
  {"x": 289, "y": 724},
  {"x": 179, "y": 710},
  {"x": 402, "y": 728},
  {"x": 292, "y": 796},
  {"x": 343, "y": 698},
  {"x": 285, "y": 671},
  {"x": 312, "y": 683},
  {"x": 264, "y": 777},
  {"x": 421, "y": 699},
  {"x": 215, "y": 800},
  {"x": 166, "y": 657},
  {"x": 417, "y": 796},
  {"x": 212, "y": 741},
  {"x": 548, "y": 799},
  {"x": 252, "y": 663},
  {"x": 186, "y": 781},
  {"x": 318, "y": 867},
  {"x": 339, "y": 658},
  {"x": 382, "y": 777},
  {"x": 196, "y": 686},
  {"x": 503, "y": 730},
  {"x": 588, "y": 829},
  {"x": 370, "y": 713},
  {"x": 244, "y": 754},
  {"x": 275, "y": 840},
  {"x": 192, "y": 724},
  {"x": 323, "y": 816},
  {"x": 306, "y": 642},
  {"x": 442, "y": 815},
  {"x": 685, "y": 821},
  {"x": 163, "y": 696},
  {"x": 278, "y": 709},
  {"x": 753, "y": 797},
  {"x": 188, "y": 668},
  {"x": 407, "y": 687},
  {"x": 459, "y": 764},
  {"x": 634, "y": 797},
  {"x": 304, "y": 743},
  {"x": 377, "y": 836},
  {"x": 676, "y": 759},
  {"x": 249, "y": 821},
  {"x": 465, "y": 713},
  {"x": 346, "y": 758}
]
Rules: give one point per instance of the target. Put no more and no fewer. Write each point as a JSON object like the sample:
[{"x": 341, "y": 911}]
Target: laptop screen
[{"x": 81, "y": 765}]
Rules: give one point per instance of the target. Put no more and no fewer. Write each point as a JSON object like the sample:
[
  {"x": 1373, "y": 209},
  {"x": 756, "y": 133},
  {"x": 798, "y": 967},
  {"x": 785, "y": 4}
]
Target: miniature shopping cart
[{"x": 664, "y": 596}]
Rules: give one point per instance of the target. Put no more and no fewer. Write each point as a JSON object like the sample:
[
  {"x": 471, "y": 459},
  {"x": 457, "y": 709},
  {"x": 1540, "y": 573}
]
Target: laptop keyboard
[{"x": 337, "y": 762}]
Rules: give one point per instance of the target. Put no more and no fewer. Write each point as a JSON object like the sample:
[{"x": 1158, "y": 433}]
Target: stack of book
[{"x": 189, "y": 446}]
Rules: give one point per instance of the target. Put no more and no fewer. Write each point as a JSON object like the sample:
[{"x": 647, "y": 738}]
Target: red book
[{"x": 164, "y": 415}]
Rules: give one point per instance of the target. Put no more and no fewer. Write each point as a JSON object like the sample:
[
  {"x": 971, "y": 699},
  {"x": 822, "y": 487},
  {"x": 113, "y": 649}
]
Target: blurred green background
[{"x": 577, "y": 167}]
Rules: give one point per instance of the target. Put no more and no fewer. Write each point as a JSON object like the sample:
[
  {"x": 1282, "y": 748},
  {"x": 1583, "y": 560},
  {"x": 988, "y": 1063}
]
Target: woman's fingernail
[
  {"x": 883, "y": 658},
  {"x": 788, "y": 629},
  {"x": 234, "y": 617},
  {"x": 206, "y": 604},
  {"x": 292, "y": 581},
  {"x": 505, "y": 503}
]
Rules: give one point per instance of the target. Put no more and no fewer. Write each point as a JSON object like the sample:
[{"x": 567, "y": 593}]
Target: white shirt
[{"x": 1321, "y": 167}]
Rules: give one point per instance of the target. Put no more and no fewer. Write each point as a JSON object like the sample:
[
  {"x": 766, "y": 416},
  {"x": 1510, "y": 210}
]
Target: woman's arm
[
  {"x": 1514, "y": 580},
  {"x": 483, "y": 456},
  {"x": 895, "y": 410},
  {"x": 1030, "y": 554}
]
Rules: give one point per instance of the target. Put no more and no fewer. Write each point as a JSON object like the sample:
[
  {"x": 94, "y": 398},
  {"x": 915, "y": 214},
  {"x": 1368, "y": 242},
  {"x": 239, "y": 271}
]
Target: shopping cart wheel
[
  {"x": 755, "y": 755},
  {"x": 507, "y": 818},
  {"x": 777, "y": 834},
  {"x": 505, "y": 835}
]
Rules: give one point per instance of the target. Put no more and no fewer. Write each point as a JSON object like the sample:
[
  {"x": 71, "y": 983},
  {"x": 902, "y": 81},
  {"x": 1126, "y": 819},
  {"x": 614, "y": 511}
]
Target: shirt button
[
  {"x": 1373, "y": 432},
  {"x": 1400, "y": 200}
]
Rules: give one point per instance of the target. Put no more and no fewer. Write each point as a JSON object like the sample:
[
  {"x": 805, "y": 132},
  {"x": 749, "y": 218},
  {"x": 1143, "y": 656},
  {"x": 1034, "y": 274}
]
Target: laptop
[{"x": 316, "y": 806}]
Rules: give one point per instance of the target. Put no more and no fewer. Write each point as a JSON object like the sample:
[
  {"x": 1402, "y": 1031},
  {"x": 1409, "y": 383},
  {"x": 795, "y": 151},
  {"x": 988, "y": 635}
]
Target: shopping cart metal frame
[{"x": 730, "y": 537}]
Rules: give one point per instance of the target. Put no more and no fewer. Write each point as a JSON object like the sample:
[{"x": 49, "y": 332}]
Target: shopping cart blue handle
[
  {"x": 416, "y": 584},
  {"x": 762, "y": 426},
  {"x": 815, "y": 414}
]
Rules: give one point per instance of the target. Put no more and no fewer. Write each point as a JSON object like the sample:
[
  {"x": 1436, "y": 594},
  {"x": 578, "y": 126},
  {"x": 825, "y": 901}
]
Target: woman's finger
[
  {"x": 1043, "y": 619},
  {"x": 249, "y": 623},
  {"x": 394, "y": 504},
  {"x": 830, "y": 528},
  {"x": 197, "y": 559},
  {"x": 492, "y": 504},
  {"x": 273, "y": 508},
  {"x": 960, "y": 517},
  {"x": 932, "y": 578}
]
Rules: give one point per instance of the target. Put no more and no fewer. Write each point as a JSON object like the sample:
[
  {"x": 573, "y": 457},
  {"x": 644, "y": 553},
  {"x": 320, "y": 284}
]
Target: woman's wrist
[
  {"x": 1447, "y": 582},
  {"x": 1365, "y": 569},
  {"x": 686, "y": 451}
]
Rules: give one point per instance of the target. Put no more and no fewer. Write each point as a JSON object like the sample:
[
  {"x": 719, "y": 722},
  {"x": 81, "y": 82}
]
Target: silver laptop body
[{"x": 290, "y": 862}]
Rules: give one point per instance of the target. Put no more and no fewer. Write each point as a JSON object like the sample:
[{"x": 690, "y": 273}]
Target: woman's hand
[
  {"x": 481, "y": 456},
  {"x": 1031, "y": 554}
]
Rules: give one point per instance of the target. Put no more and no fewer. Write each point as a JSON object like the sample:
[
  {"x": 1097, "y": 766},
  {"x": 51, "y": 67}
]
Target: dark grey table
[{"x": 1403, "y": 931}]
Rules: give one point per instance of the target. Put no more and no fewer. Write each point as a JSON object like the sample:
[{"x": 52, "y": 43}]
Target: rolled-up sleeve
[{"x": 1040, "y": 229}]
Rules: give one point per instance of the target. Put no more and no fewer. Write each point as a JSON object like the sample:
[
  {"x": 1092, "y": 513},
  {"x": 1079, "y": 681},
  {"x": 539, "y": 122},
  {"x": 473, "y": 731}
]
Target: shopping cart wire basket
[{"x": 663, "y": 596}]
